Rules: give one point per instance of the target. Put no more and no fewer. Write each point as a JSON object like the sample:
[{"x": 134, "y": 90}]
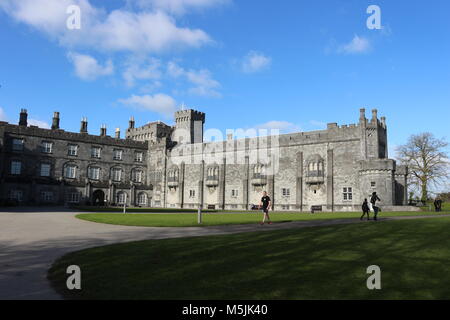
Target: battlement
[{"x": 189, "y": 115}]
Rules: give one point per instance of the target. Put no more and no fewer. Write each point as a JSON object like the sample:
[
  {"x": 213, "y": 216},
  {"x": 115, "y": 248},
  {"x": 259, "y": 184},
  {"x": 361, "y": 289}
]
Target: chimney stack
[
  {"x": 55, "y": 122},
  {"x": 23, "y": 120},
  {"x": 131, "y": 123},
  {"x": 103, "y": 130},
  {"x": 84, "y": 124},
  {"x": 383, "y": 121},
  {"x": 362, "y": 115},
  {"x": 117, "y": 133},
  {"x": 374, "y": 115}
]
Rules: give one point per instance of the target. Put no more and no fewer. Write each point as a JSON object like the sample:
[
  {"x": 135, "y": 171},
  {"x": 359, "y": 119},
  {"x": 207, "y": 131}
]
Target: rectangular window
[
  {"x": 137, "y": 176},
  {"x": 47, "y": 147},
  {"x": 286, "y": 192},
  {"x": 95, "y": 152},
  {"x": 138, "y": 156},
  {"x": 234, "y": 193},
  {"x": 73, "y": 150},
  {"x": 348, "y": 194},
  {"x": 16, "y": 195},
  {"x": 16, "y": 167},
  {"x": 118, "y": 154},
  {"x": 47, "y": 196},
  {"x": 373, "y": 184},
  {"x": 70, "y": 172},
  {"x": 45, "y": 170},
  {"x": 116, "y": 174},
  {"x": 17, "y": 144},
  {"x": 94, "y": 173},
  {"x": 192, "y": 193},
  {"x": 73, "y": 197}
]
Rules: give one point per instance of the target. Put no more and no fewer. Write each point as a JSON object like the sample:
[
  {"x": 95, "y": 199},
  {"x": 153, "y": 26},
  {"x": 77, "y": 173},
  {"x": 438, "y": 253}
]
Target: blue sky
[{"x": 292, "y": 65}]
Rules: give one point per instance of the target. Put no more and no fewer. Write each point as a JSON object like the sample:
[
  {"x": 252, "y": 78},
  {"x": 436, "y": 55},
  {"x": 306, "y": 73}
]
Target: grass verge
[
  {"x": 309, "y": 263},
  {"x": 190, "y": 220}
]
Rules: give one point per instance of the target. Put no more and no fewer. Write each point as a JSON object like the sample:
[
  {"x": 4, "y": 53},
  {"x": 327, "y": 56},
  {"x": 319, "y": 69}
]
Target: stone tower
[{"x": 188, "y": 127}]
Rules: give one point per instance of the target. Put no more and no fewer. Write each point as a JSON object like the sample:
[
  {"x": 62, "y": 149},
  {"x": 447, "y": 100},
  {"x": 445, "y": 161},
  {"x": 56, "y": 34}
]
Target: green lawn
[
  {"x": 189, "y": 220},
  {"x": 309, "y": 263}
]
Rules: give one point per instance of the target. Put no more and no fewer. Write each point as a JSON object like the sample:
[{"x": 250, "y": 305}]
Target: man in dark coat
[{"x": 365, "y": 209}]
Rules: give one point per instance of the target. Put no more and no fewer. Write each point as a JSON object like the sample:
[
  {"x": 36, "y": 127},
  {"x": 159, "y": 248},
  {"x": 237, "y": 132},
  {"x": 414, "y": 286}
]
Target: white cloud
[
  {"x": 357, "y": 45},
  {"x": 255, "y": 61},
  {"x": 282, "y": 126},
  {"x": 141, "y": 69},
  {"x": 3, "y": 116},
  {"x": 48, "y": 16},
  {"x": 179, "y": 6},
  {"x": 204, "y": 84},
  {"x": 145, "y": 32},
  {"x": 159, "y": 103},
  {"x": 119, "y": 30},
  {"x": 88, "y": 68},
  {"x": 39, "y": 123}
]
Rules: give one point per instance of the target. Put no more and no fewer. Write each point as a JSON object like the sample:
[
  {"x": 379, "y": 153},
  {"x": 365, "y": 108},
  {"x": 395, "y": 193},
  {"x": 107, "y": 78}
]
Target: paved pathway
[{"x": 31, "y": 241}]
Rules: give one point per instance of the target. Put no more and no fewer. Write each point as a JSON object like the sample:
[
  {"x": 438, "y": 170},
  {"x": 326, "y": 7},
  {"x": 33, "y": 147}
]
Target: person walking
[
  {"x": 265, "y": 204},
  {"x": 365, "y": 209},
  {"x": 373, "y": 201}
]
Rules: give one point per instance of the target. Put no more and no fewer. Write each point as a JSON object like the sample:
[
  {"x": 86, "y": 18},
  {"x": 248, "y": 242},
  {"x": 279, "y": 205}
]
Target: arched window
[
  {"x": 121, "y": 197},
  {"x": 258, "y": 171},
  {"x": 116, "y": 174},
  {"x": 142, "y": 199},
  {"x": 213, "y": 173},
  {"x": 70, "y": 171},
  {"x": 172, "y": 175},
  {"x": 315, "y": 166},
  {"x": 137, "y": 175},
  {"x": 94, "y": 173}
]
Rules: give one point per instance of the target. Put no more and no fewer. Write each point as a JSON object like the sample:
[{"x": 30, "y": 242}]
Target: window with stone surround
[
  {"x": 286, "y": 192},
  {"x": 70, "y": 171},
  {"x": 138, "y": 156},
  {"x": 96, "y": 152},
  {"x": 94, "y": 173},
  {"x": 72, "y": 150},
  {"x": 47, "y": 196},
  {"x": 17, "y": 144},
  {"x": 118, "y": 154},
  {"x": 45, "y": 170},
  {"x": 16, "y": 167},
  {"x": 121, "y": 197},
  {"x": 16, "y": 194},
  {"x": 47, "y": 147},
  {"x": 116, "y": 174},
  {"x": 73, "y": 197},
  {"x": 347, "y": 193},
  {"x": 142, "y": 199},
  {"x": 136, "y": 175}
]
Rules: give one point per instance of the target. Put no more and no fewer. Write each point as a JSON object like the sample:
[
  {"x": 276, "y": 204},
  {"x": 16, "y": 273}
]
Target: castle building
[{"x": 158, "y": 165}]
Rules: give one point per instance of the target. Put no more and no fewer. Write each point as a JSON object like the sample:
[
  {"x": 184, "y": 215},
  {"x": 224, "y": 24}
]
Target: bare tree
[{"x": 427, "y": 160}]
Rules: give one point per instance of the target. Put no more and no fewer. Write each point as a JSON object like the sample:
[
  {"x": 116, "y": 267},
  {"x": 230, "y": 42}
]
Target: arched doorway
[{"x": 98, "y": 198}]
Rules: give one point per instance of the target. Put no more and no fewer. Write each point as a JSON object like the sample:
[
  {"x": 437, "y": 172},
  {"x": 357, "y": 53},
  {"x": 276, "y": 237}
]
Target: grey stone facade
[
  {"x": 334, "y": 169},
  {"x": 36, "y": 166}
]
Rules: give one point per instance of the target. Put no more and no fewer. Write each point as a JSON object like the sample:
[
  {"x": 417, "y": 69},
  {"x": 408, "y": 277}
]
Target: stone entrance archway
[{"x": 98, "y": 198}]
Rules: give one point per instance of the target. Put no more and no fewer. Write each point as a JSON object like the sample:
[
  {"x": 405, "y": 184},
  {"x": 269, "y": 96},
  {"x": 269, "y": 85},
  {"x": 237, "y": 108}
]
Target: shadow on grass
[{"x": 310, "y": 263}]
